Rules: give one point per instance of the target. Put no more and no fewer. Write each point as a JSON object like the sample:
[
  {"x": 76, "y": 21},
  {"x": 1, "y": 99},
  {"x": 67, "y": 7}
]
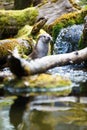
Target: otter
[{"x": 42, "y": 46}]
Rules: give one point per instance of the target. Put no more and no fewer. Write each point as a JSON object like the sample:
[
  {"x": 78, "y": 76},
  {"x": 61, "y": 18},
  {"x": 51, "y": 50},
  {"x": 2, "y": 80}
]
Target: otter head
[{"x": 45, "y": 38}]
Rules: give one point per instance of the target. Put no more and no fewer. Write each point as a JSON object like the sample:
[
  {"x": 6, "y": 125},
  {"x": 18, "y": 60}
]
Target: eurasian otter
[{"x": 42, "y": 46}]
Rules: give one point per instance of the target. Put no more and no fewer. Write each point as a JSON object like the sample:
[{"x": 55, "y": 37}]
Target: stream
[
  {"x": 43, "y": 112},
  {"x": 51, "y": 112}
]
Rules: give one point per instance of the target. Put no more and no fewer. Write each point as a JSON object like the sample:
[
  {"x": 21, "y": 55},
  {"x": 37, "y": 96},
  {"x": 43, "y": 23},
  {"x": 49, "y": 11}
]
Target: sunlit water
[{"x": 52, "y": 112}]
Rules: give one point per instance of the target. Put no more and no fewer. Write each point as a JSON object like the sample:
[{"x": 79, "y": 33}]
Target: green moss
[
  {"x": 9, "y": 44},
  {"x": 80, "y": 43},
  {"x": 82, "y": 2},
  {"x": 7, "y": 101},
  {"x": 67, "y": 20},
  {"x": 53, "y": 0},
  {"x": 38, "y": 83},
  {"x": 6, "y": 45},
  {"x": 24, "y": 32},
  {"x": 56, "y": 30},
  {"x": 18, "y": 17},
  {"x": 85, "y": 6}
]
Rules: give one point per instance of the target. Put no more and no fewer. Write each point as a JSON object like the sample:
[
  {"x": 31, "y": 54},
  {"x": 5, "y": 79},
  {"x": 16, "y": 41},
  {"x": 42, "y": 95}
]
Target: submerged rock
[{"x": 42, "y": 83}]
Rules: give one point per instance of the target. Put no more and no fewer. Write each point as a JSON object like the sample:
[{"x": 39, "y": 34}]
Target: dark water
[{"x": 43, "y": 113}]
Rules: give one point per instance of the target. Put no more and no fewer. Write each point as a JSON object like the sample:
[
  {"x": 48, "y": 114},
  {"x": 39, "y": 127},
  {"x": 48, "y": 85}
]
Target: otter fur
[{"x": 42, "y": 46}]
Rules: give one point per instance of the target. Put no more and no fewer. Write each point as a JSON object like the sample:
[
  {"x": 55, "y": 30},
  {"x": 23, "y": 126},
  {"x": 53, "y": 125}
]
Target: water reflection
[
  {"x": 46, "y": 112},
  {"x": 54, "y": 114},
  {"x": 17, "y": 110},
  {"x": 80, "y": 91}
]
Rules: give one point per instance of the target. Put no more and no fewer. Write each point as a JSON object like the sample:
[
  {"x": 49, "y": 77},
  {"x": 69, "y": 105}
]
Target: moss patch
[
  {"x": 67, "y": 20},
  {"x": 18, "y": 17},
  {"x": 7, "y": 101},
  {"x": 9, "y": 44},
  {"x": 41, "y": 83},
  {"x": 24, "y": 32}
]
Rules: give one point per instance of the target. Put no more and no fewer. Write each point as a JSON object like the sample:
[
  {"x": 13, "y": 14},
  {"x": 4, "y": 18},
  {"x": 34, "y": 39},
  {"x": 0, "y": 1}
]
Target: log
[{"x": 21, "y": 67}]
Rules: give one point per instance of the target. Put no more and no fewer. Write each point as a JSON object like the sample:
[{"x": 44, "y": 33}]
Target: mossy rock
[
  {"x": 66, "y": 20},
  {"x": 40, "y": 83},
  {"x": 18, "y": 17},
  {"x": 12, "y": 20},
  {"x": 23, "y": 46},
  {"x": 25, "y": 32}
]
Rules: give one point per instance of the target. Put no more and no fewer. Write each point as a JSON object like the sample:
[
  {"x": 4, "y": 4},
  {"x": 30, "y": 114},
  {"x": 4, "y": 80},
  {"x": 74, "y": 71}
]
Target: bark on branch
[{"x": 41, "y": 65}]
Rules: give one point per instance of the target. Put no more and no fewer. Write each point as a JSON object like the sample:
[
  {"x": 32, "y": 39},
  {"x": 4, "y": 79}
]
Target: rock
[{"x": 42, "y": 83}]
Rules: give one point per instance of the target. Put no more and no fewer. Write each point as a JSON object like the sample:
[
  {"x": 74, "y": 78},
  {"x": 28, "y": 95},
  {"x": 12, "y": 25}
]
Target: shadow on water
[
  {"x": 47, "y": 112},
  {"x": 17, "y": 110}
]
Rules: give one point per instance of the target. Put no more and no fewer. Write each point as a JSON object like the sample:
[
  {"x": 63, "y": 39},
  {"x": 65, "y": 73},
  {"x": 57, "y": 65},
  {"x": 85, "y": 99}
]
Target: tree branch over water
[{"x": 21, "y": 67}]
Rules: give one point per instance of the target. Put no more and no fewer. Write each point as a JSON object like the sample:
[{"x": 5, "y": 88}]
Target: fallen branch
[{"x": 21, "y": 67}]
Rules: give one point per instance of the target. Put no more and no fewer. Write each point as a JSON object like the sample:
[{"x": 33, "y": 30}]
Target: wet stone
[{"x": 68, "y": 38}]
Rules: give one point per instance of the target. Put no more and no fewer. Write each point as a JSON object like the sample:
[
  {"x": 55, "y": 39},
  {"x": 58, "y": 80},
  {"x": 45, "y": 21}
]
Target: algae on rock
[
  {"x": 66, "y": 20},
  {"x": 50, "y": 84},
  {"x": 23, "y": 46},
  {"x": 11, "y": 21}
]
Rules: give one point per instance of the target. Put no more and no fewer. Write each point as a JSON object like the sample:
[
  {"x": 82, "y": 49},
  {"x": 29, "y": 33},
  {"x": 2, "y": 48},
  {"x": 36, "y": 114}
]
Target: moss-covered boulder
[
  {"x": 11, "y": 21},
  {"x": 42, "y": 83},
  {"x": 23, "y": 46},
  {"x": 66, "y": 20}
]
